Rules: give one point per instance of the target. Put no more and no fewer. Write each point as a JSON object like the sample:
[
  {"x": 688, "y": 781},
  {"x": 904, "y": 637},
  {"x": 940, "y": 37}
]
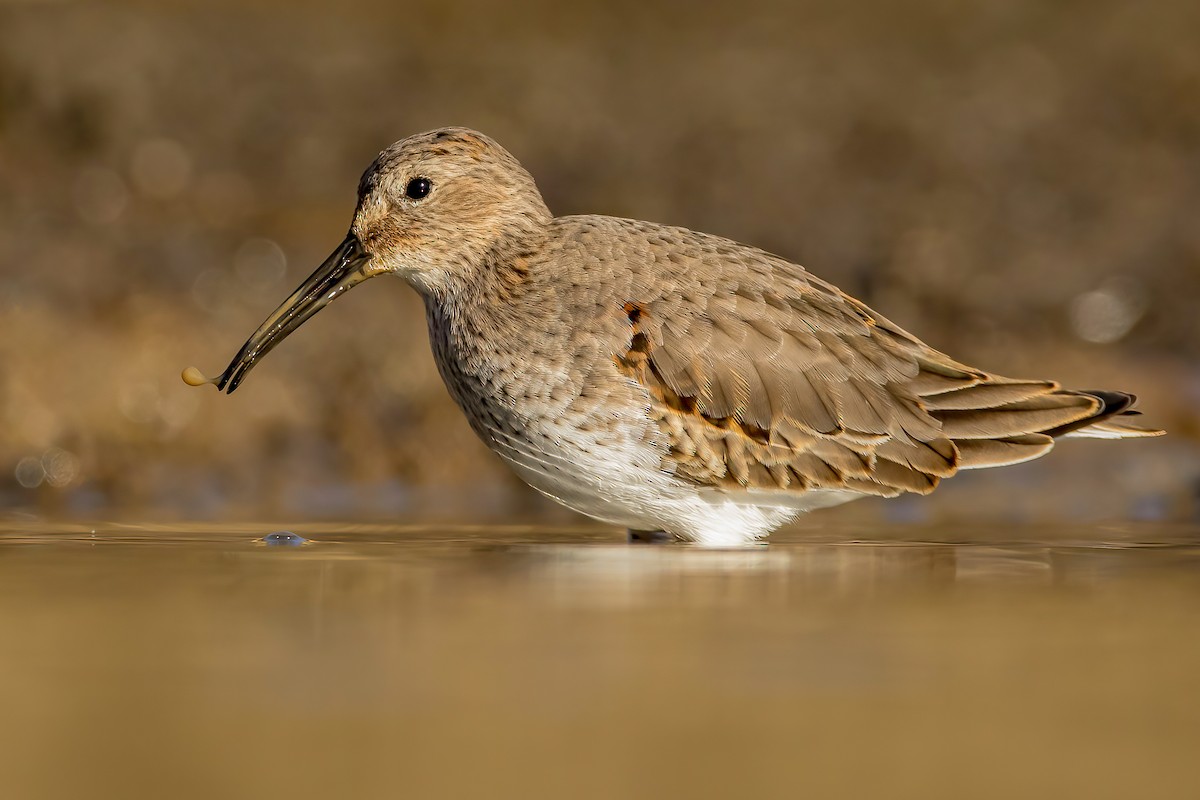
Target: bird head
[{"x": 434, "y": 209}]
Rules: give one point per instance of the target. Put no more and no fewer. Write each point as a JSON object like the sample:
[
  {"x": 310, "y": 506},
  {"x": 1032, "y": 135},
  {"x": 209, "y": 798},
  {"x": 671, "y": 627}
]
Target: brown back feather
[{"x": 758, "y": 389}]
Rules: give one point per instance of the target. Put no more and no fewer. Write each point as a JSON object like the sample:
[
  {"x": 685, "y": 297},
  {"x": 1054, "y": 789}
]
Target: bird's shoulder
[
  {"x": 687, "y": 277},
  {"x": 605, "y": 244}
]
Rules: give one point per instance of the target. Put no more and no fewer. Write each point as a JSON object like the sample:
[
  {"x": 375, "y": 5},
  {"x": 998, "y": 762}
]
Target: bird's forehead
[{"x": 446, "y": 150}]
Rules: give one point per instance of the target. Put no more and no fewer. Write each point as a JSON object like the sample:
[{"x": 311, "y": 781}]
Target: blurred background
[{"x": 1018, "y": 183}]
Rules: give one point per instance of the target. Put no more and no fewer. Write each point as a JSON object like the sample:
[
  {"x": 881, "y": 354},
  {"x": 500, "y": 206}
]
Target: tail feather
[
  {"x": 987, "y": 395},
  {"x": 999, "y": 421},
  {"x": 1113, "y": 429},
  {"x": 1046, "y": 412},
  {"x": 1111, "y": 404},
  {"x": 979, "y": 453}
]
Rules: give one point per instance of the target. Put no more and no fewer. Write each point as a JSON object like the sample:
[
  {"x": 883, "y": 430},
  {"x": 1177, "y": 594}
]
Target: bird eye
[{"x": 418, "y": 188}]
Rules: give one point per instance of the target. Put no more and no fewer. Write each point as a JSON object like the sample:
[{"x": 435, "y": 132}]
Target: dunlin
[{"x": 661, "y": 379}]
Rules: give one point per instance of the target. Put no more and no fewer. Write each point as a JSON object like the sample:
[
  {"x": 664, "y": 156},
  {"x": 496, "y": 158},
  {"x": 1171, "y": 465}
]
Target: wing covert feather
[{"x": 764, "y": 377}]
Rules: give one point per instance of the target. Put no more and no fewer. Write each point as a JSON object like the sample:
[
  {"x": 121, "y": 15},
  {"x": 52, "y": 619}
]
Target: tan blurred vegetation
[{"x": 1016, "y": 182}]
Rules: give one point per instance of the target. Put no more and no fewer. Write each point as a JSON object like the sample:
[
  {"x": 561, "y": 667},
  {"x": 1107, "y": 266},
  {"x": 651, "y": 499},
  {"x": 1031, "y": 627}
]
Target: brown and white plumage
[{"x": 665, "y": 379}]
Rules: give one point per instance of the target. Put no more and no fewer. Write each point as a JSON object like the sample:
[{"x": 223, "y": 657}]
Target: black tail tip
[{"x": 1114, "y": 402}]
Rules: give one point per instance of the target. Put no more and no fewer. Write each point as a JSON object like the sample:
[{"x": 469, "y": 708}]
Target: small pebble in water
[{"x": 284, "y": 539}]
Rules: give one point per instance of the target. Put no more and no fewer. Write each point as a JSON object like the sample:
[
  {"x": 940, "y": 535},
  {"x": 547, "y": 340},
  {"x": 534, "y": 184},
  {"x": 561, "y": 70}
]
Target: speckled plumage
[{"x": 663, "y": 379}]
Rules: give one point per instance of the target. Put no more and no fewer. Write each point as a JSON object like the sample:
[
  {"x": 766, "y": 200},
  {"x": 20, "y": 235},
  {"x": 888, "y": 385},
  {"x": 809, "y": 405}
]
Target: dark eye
[{"x": 418, "y": 188}]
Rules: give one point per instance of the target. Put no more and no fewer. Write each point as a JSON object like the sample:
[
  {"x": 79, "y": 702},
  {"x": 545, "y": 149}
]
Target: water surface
[{"x": 386, "y": 661}]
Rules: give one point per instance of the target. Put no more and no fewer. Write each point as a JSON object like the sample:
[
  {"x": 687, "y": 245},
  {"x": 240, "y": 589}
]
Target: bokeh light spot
[
  {"x": 100, "y": 195},
  {"x": 260, "y": 263},
  {"x": 29, "y": 472},
  {"x": 60, "y": 467},
  {"x": 161, "y": 168},
  {"x": 1107, "y": 314}
]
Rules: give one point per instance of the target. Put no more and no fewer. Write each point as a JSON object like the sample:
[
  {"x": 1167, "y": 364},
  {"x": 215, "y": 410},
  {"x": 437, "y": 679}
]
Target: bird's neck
[
  {"x": 501, "y": 298},
  {"x": 497, "y": 270}
]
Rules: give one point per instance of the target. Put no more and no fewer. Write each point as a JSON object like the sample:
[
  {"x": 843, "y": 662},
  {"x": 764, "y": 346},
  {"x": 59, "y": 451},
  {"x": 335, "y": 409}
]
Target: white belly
[
  {"x": 617, "y": 477},
  {"x": 589, "y": 444}
]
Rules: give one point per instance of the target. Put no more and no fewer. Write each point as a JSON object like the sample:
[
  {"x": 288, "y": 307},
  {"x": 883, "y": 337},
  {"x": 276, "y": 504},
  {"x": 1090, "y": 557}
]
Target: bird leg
[{"x": 650, "y": 537}]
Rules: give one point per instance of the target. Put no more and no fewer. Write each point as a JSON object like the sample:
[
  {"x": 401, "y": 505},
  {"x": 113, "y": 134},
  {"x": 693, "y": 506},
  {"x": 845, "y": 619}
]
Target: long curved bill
[{"x": 348, "y": 266}]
